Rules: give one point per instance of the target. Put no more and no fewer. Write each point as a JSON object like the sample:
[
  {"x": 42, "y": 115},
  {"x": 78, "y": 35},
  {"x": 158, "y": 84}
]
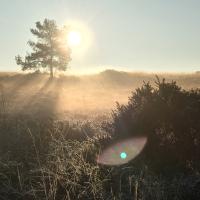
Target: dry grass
[
  {"x": 83, "y": 95},
  {"x": 45, "y": 156}
]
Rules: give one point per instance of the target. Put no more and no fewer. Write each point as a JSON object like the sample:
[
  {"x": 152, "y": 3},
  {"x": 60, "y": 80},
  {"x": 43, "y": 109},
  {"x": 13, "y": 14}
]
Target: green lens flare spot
[{"x": 123, "y": 155}]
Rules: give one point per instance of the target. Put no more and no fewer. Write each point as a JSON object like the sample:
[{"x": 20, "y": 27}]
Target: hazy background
[
  {"x": 79, "y": 97},
  {"x": 129, "y": 35}
]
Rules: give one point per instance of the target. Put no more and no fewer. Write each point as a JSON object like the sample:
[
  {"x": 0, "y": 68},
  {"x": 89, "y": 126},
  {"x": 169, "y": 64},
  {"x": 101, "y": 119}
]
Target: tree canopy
[{"x": 50, "y": 51}]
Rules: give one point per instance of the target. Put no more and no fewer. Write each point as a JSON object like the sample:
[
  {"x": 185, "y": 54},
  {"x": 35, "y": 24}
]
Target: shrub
[{"x": 169, "y": 117}]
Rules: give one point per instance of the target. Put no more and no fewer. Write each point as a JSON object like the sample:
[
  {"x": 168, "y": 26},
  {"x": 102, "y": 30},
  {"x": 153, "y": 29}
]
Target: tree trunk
[
  {"x": 51, "y": 67},
  {"x": 51, "y": 61},
  {"x": 51, "y": 72}
]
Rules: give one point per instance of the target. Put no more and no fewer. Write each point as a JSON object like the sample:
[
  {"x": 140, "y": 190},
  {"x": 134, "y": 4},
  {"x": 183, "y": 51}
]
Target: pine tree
[{"x": 49, "y": 52}]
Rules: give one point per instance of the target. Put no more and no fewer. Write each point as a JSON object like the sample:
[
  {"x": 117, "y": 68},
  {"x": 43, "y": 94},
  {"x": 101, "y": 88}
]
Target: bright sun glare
[{"x": 74, "y": 38}]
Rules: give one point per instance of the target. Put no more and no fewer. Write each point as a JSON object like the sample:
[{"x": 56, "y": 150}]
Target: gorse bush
[{"x": 169, "y": 117}]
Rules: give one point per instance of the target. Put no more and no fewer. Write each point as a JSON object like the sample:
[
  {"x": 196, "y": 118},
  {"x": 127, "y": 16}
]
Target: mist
[{"x": 80, "y": 95}]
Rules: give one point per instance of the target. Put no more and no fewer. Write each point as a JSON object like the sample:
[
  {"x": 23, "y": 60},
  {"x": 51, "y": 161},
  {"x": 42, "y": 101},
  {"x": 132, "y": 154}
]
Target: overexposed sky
[{"x": 134, "y": 35}]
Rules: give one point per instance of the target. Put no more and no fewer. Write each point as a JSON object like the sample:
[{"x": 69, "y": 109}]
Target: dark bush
[{"x": 170, "y": 117}]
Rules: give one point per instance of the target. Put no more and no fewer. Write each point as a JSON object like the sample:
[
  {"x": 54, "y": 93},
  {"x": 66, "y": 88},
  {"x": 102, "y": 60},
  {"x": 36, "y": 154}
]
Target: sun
[{"x": 74, "y": 38}]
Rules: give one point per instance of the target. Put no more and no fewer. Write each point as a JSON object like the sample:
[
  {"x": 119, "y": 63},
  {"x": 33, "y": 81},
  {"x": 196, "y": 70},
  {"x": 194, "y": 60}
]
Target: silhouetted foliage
[
  {"x": 50, "y": 51},
  {"x": 169, "y": 117},
  {"x": 45, "y": 157}
]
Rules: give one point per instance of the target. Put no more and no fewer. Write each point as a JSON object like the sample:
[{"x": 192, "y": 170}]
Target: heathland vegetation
[{"x": 51, "y": 132}]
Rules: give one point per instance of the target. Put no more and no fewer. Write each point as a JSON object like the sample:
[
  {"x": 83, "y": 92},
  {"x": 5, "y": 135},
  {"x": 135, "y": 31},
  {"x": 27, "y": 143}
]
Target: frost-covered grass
[{"x": 45, "y": 156}]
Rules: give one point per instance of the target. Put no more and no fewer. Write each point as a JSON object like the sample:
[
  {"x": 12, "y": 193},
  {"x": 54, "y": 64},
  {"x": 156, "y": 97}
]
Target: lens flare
[
  {"x": 122, "y": 151},
  {"x": 123, "y": 155}
]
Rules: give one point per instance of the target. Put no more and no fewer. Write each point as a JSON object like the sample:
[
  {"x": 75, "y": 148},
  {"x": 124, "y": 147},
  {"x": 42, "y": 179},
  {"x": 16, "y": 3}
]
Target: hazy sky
[{"x": 135, "y": 35}]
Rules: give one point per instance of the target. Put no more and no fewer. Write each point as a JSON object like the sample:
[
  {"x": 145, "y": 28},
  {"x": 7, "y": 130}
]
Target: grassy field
[
  {"x": 51, "y": 132},
  {"x": 80, "y": 94}
]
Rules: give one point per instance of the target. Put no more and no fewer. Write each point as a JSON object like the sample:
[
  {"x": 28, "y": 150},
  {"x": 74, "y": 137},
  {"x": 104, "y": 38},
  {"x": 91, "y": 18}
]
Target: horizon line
[{"x": 108, "y": 69}]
